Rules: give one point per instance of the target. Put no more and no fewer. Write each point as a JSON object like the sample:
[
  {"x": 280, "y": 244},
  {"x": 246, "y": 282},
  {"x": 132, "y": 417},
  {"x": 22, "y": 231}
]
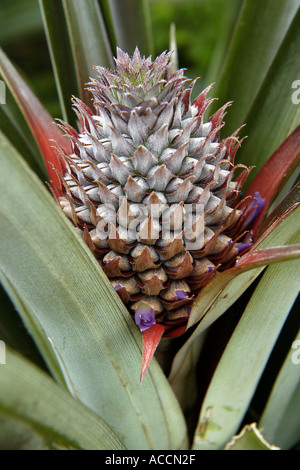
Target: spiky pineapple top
[{"x": 150, "y": 187}]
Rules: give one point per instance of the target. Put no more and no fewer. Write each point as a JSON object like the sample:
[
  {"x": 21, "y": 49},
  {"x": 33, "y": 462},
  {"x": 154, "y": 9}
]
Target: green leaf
[
  {"x": 106, "y": 13},
  {"x": 289, "y": 432},
  {"x": 277, "y": 421},
  {"x": 41, "y": 124},
  {"x": 273, "y": 112},
  {"x": 13, "y": 332},
  {"x": 35, "y": 413},
  {"x": 96, "y": 343},
  {"x": 281, "y": 165},
  {"x": 259, "y": 33},
  {"x": 183, "y": 377},
  {"x": 173, "y": 47},
  {"x": 250, "y": 438},
  {"x": 245, "y": 356},
  {"x": 89, "y": 40},
  {"x": 59, "y": 45},
  {"x": 33, "y": 326},
  {"x": 15, "y": 127},
  {"x": 229, "y": 20},
  {"x": 291, "y": 198},
  {"x": 132, "y": 25},
  {"x": 18, "y": 20}
]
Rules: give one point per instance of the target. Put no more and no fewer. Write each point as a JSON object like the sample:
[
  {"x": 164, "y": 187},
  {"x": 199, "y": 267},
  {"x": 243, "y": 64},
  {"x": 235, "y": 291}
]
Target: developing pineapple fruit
[{"x": 151, "y": 188}]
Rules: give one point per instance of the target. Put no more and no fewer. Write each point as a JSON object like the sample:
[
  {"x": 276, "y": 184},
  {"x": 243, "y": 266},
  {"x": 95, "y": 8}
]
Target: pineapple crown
[
  {"x": 150, "y": 186},
  {"x": 138, "y": 79}
]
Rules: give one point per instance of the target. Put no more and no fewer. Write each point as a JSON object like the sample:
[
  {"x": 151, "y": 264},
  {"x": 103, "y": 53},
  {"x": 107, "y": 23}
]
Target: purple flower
[
  {"x": 180, "y": 294},
  {"x": 242, "y": 247},
  {"x": 254, "y": 209},
  {"x": 144, "y": 317}
]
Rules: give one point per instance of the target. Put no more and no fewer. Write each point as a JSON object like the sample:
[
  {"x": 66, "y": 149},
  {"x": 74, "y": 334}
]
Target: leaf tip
[{"x": 151, "y": 339}]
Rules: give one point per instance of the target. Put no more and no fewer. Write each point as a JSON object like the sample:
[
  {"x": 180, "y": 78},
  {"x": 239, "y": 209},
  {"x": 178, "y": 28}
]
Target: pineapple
[
  {"x": 151, "y": 188},
  {"x": 145, "y": 177}
]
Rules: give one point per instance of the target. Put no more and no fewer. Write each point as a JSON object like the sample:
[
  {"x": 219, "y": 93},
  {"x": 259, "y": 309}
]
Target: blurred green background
[{"x": 198, "y": 24}]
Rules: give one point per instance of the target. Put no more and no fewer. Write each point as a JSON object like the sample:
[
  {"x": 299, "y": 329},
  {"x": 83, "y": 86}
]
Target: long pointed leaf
[
  {"x": 229, "y": 21},
  {"x": 10, "y": 127},
  {"x": 46, "y": 133},
  {"x": 61, "y": 55},
  {"x": 131, "y": 19},
  {"x": 18, "y": 21},
  {"x": 15, "y": 127},
  {"x": 33, "y": 326},
  {"x": 281, "y": 399},
  {"x": 13, "y": 333},
  {"x": 245, "y": 357},
  {"x": 89, "y": 40},
  {"x": 292, "y": 198},
  {"x": 31, "y": 402},
  {"x": 173, "y": 46},
  {"x": 250, "y": 438},
  {"x": 97, "y": 345},
  {"x": 289, "y": 432},
  {"x": 270, "y": 118},
  {"x": 258, "y": 35},
  {"x": 280, "y": 165}
]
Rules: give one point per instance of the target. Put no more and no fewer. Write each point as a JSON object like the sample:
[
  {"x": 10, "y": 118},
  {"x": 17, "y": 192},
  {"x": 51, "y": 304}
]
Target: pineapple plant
[
  {"x": 146, "y": 180},
  {"x": 169, "y": 227}
]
